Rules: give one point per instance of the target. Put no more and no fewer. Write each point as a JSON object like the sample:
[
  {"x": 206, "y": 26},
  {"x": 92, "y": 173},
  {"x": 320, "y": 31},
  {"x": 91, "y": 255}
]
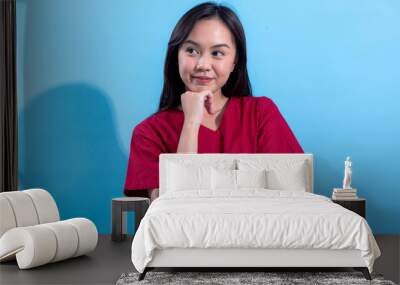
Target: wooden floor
[{"x": 111, "y": 259}]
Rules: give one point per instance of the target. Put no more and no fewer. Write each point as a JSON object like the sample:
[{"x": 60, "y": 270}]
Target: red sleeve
[
  {"x": 274, "y": 134},
  {"x": 142, "y": 172}
]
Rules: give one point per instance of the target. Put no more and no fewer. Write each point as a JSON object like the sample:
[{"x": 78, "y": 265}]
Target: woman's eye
[
  {"x": 190, "y": 50},
  {"x": 216, "y": 53}
]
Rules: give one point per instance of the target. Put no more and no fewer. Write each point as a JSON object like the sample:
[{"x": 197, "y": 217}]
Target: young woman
[{"x": 206, "y": 104}]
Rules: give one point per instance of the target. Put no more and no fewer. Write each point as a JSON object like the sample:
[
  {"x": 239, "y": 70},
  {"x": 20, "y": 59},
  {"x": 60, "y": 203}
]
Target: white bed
[{"x": 213, "y": 224}]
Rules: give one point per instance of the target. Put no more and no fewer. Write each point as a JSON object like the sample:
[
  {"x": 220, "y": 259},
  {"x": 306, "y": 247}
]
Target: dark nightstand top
[{"x": 351, "y": 200}]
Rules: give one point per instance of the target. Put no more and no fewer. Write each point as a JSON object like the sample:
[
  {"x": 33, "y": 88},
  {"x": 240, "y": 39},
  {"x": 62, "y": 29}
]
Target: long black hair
[{"x": 238, "y": 83}]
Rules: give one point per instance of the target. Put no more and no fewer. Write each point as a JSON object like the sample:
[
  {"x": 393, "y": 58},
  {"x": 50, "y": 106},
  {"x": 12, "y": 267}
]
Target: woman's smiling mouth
[{"x": 202, "y": 79}]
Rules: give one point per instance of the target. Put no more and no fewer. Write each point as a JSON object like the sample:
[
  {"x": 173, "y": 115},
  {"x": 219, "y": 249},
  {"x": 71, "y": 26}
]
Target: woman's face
[{"x": 208, "y": 52}]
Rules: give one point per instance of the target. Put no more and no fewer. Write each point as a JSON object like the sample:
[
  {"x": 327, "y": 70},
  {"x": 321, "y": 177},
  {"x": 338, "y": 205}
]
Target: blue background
[{"x": 89, "y": 71}]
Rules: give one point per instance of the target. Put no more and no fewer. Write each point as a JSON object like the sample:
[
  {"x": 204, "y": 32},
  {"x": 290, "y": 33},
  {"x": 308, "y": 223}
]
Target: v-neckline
[{"x": 222, "y": 119}]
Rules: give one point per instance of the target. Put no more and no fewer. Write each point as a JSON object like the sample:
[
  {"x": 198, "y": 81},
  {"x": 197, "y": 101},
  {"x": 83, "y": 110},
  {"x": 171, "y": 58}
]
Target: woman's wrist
[{"x": 191, "y": 124}]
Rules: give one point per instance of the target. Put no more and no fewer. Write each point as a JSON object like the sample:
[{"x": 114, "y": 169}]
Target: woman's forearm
[{"x": 189, "y": 138}]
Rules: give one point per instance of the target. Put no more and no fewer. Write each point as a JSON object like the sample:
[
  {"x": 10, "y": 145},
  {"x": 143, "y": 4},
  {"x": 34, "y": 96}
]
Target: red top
[{"x": 248, "y": 125}]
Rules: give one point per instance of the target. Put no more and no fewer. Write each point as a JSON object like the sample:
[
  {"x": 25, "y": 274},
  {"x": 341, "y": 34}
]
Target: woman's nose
[{"x": 203, "y": 63}]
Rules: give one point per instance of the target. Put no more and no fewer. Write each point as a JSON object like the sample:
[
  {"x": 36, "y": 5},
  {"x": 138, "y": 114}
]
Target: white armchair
[{"x": 32, "y": 233}]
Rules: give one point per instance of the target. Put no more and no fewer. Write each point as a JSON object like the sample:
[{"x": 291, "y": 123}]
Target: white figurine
[{"x": 347, "y": 174}]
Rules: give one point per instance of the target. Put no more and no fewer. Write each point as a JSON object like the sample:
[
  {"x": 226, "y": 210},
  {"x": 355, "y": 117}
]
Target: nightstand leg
[
  {"x": 117, "y": 222},
  {"x": 124, "y": 225}
]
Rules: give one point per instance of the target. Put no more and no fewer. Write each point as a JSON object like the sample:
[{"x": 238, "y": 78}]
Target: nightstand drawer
[{"x": 357, "y": 206}]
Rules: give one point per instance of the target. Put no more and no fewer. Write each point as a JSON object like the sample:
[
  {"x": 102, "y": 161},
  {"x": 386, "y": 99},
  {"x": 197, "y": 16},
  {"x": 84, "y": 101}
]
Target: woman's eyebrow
[{"x": 214, "y": 46}]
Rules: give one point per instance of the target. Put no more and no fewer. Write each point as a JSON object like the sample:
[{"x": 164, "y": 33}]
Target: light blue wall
[{"x": 90, "y": 70}]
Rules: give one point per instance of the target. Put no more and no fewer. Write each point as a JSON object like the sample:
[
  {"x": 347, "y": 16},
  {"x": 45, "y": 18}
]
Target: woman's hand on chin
[{"x": 193, "y": 104}]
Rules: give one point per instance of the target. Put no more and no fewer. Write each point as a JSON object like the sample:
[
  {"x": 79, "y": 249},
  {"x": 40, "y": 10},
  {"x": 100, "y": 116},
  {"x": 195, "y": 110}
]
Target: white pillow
[
  {"x": 281, "y": 174},
  {"x": 188, "y": 177},
  {"x": 228, "y": 179},
  {"x": 223, "y": 179},
  {"x": 288, "y": 179},
  {"x": 251, "y": 178}
]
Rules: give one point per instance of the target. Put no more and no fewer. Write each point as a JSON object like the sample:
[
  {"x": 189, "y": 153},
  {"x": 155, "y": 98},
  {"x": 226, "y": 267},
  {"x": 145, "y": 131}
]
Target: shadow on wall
[{"x": 71, "y": 150}]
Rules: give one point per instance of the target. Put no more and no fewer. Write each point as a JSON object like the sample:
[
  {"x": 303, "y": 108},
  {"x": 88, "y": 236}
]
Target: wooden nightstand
[{"x": 358, "y": 205}]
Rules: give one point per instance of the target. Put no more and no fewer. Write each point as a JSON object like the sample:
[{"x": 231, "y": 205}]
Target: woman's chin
[{"x": 199, "y": 88}]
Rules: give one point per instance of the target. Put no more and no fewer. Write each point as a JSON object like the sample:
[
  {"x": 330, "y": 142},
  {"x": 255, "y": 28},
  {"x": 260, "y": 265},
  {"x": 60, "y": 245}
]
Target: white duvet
[{"x": 251, "y": 218}]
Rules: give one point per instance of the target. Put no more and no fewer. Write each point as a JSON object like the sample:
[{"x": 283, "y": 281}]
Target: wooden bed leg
[
  {"x": 143, "y": 274},
  {"x": 364, "y": 271}
]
